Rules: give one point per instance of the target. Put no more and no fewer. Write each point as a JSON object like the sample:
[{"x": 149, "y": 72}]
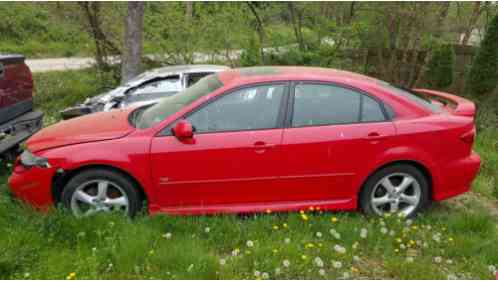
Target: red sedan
[{"x": 257, "y": 139}]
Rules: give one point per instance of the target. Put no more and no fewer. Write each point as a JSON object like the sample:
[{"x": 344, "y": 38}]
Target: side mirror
[{"x": 183, "y": 130}]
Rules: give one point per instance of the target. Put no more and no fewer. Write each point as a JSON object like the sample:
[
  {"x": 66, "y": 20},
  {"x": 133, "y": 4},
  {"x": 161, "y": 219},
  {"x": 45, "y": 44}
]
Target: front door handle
[
  {"x": 261, "y": 146},
  {"x": 374, "y": 136}
]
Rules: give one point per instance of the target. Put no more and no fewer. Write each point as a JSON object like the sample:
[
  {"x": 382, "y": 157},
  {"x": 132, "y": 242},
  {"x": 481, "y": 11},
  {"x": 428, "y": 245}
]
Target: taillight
[{"x": 469, "y": 136}]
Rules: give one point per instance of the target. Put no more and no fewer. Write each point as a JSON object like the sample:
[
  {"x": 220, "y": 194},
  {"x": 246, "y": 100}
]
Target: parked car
[
  {"x": 18, "y": 121},
  {"x": 253, "y": 139},
  {"x": 146, "y": 88}
]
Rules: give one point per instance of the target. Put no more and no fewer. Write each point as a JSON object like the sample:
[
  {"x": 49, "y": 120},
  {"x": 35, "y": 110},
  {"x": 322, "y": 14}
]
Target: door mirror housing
[{"x": 183, "y": 130}]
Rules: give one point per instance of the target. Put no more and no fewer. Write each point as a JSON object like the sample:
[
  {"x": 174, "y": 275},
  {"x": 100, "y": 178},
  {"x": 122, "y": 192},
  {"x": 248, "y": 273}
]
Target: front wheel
[
  {"x": 100, "y": 190},
  {"x": 400, "y": 189}
]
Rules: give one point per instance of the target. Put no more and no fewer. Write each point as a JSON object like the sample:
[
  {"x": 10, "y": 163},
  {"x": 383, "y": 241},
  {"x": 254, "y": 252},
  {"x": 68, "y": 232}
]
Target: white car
[{"x": 146, "y": 88}]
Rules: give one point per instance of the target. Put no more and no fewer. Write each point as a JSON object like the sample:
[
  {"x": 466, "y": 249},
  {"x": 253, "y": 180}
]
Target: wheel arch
[
  {"x": 61, "y": 179},
  {"x": 421, "y": 167}
]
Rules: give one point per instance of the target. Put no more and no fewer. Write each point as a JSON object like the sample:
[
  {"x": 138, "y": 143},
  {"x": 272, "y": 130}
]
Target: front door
[{"x": 234, "y": 156}]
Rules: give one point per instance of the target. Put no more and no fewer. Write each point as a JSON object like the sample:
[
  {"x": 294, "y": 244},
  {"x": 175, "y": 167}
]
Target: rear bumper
[
  {"x": 457, "y": 177},
  {"x": 19, "y": 129}
]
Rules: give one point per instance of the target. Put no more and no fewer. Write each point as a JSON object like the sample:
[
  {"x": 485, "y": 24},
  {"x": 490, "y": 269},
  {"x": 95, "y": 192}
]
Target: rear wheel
[
  {"x": 400, "y": 189},
  {"x": 99, "y": 190}
]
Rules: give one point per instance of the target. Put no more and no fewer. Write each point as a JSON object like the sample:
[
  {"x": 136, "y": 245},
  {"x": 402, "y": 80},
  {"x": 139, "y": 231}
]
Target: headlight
[{"x": 28, "y": 159}]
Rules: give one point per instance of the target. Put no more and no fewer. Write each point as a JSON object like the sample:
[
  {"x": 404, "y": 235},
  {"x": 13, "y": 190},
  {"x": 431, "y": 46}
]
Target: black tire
[
  {"x": 135, "y": 201},
  {"x": 368, "y": 187}
]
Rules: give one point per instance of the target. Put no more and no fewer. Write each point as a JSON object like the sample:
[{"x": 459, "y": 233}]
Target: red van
[{"x": 18, "y": 121}]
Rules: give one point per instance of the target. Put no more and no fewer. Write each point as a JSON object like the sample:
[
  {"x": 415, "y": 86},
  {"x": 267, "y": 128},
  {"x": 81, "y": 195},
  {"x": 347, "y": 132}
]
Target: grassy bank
[{"x": 456, "y": 239}]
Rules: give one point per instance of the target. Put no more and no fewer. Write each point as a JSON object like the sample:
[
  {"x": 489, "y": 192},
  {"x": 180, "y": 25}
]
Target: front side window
[
  {"x": 251, "y": 108},
  {"x": 320, "y": 104}
]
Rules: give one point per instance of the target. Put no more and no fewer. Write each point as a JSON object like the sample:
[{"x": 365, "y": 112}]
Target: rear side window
[
  {"x": 371, "y": 110},
  {"x": 322, "y": 104}
]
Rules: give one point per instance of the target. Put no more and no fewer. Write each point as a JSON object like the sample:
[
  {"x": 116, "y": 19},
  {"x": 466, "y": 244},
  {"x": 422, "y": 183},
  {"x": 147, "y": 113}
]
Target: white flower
[
  {"x": 223, "y": 261},
  {"x": 449, "y": 261},
  {"x": 346, "y": 275},
  {"x": 363, "y": 233},
  {"x": 409, "y": 259},
  {"x": 356, "y": 259},
  {"x": 382, "y": 223},
  {"x": 332, "y": 231},
  {"x": 321, "y": 272},
  {"x": 286, "y": 263},
  {"x": 402, "y": 246},
  {"x": 339, "y": 249},
  {"x": 438, "y": 259},
  {"x": 319, "y": 234},
  {"x": 337, "y": 264},
  {"x": 26, "y": 275},
  {"x": 265, "y": 275},
  {"x": 318, "y": 262},
  {"x": 257, "y": 273},
  {"x": 287, "y": 240},
  {"x": 425, "y": 245},
  {"x": 492, "y": 268},
  {"x": 391, "y": 233},
  {"x": 207, "y": 229},
  {"x": 277, "y": 271},
  {"x": 409, "y": 222},
  {"x": 235, "y": 252},
  {"x": 337, "y": 236},
  {"x": 384, "y": 230},
  {"x": 167, "y": 235},
  {"x": 250, "y": 244}
]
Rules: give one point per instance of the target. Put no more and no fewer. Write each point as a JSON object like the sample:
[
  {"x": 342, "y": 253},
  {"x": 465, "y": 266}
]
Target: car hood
[{"x": 88, "y": 128}]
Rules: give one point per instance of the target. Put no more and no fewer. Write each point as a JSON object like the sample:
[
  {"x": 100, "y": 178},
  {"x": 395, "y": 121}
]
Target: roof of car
[{"x": 269, "y": 73}]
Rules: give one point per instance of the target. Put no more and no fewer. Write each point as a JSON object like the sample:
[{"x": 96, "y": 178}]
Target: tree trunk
[
  {"x": 259, "y": 28},
  {"x": 132, "y": 48},
  {"x": 296, "y": 24},
  {"x": 189, "y": 11}
]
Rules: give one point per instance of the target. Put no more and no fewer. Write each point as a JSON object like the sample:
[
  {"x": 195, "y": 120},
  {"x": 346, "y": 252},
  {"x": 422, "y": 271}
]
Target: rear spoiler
[{"x": 461, "y": 106}]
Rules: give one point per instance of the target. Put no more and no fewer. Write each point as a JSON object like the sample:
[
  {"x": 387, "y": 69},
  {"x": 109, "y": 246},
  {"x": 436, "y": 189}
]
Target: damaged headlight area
[{"x": 28, "y": 160}]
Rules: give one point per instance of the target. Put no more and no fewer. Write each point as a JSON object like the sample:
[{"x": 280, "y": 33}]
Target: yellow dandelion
[
  {"x": 304, "y": 217},
  {"x": 412, "y": 242},
  {"x": 334, "y": 219},
  {"x": 304, "y": 257},
  {"x": 354, "y": 269},
  {"x": 275, "y": 227},
  {"x": 285, "y": 225},
  {"x": 414, "y": 227},
  {"x": 450, "y": 239},
  {"x": 396, "y": 250},
  {"x": 309, "y": 245},
  {"x": 399, "y": 240},
  {"x": 275, "y": 251}
]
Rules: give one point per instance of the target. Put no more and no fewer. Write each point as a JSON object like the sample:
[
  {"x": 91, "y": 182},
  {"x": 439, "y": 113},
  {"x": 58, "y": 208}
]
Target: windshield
[
  {"x": 418, "y": 98},
  {"x": 170, "y": 105}
]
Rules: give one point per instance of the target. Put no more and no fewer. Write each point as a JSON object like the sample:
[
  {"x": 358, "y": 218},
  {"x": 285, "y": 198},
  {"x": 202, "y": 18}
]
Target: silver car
[{"x": 146, "y": 88}]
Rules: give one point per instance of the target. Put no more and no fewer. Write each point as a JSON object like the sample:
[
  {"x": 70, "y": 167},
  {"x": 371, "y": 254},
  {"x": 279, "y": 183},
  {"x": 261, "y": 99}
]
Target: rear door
[{"x": 333, "y": 134}]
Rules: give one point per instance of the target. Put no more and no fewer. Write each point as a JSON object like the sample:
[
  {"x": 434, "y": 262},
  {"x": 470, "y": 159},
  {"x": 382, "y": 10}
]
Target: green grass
[{"x": 450, "y": 240}]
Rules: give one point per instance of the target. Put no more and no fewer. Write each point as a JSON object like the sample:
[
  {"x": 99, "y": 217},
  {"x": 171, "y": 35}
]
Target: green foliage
[
  {"x": 252, "y": 55},
  {"x": 483, "y": 76},
  {"x": 439, "y": 74}
]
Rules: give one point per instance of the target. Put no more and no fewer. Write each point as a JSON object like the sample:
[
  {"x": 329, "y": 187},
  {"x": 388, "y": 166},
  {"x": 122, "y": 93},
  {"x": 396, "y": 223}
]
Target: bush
[
  {"x": 440, "y": 68},
  {"x": 252, "y": 55},
  {"x": 483, "y": 76}
]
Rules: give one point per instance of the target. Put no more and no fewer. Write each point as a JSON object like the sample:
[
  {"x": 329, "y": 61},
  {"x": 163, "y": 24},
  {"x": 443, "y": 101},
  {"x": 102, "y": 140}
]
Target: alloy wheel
[
  {"x": 98, "y": 196},
  {"x": 396, "y": 193}
]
